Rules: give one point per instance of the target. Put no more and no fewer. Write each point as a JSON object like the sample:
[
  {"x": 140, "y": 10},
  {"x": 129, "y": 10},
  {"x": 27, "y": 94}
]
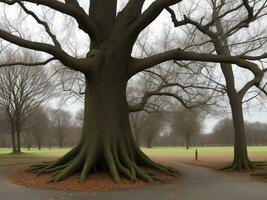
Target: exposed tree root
[
  {"x": 243, "y": 166},
  {"x": 119, "y": 160}
]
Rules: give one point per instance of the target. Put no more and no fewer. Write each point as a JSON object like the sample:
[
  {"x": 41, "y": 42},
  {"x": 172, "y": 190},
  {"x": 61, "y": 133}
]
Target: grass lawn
[
  {"x": 162, "y": 152},
  {"x": 181, "y": 152},
  {"x": 212, "y": 157}
]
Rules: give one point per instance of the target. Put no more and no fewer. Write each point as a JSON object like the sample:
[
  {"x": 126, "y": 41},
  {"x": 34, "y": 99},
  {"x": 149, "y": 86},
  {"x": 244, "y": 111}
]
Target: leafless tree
[
  {"x": 138, "y": 121},
  {"x": 61, "y": 122},
  {"x": 79, "y": 117},
  {"x": 224, "y": 132},
  {"x": 222, "y": 28},
  {"x": 187, "y": 123},
  {"x": 22, "y": 90},
  {"x": 27, "y": 138},
  {"x": 152, "y": 127},
  {"x": 38, "y": 126},
  {"x": 257, "y": 133}
]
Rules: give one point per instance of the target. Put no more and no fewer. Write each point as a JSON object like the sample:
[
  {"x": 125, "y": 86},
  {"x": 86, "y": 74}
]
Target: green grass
[
  {"x": 157, "y": 151},
  {"x": 34, "y": 152},
  {"x": 180, "y": 153}
]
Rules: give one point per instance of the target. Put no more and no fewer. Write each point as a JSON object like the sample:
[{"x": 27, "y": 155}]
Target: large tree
[
  {"x": 107, "y": 141},
  {"x": 223, "y": 26}
]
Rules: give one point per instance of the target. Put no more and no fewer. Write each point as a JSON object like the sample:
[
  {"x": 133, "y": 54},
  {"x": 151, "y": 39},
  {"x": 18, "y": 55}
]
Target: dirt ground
[
  {"x": 102, "y": 181},
  {"x": 218, "y": 163},
  {"x": 99, "y": 181}
]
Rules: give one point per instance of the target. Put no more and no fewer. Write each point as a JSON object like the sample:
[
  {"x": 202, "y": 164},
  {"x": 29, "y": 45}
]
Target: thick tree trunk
[
  {"x": 107, "y": 142},
  {"x": 241, "y": 160}
]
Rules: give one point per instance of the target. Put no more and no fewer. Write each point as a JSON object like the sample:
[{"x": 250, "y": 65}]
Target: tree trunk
[
  {"x": 18, "y": 142},
  {"x": 187, "y": 142},
  {"x": 107, "y": 142},
  {"x": 241, "y": 160},
  {"x": 13, "y": 140}
]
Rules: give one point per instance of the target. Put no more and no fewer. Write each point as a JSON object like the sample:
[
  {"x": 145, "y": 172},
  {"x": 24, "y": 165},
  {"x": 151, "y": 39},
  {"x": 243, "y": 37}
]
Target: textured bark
[
  {"x": 241, "y": 160},
  {"x": 107, "y": 142}
]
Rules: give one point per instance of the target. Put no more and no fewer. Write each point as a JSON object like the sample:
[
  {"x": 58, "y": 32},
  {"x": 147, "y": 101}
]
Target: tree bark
[
  {"x": 107, "y": 142},
  {"x": 241, "y": 160}
]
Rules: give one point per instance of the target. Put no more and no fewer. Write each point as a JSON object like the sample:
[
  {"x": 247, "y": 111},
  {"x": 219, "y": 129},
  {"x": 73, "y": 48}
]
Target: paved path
[{"x": 197, "y": 183}]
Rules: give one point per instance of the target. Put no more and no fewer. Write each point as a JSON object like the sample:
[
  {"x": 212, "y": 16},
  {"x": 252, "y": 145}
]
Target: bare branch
[
  {"x": 178, "y": 54},
  {"x": 28, "y": 64},
  {"x": 67, "y": 60},
  {"x": 47, "y": 28},
  {"x": 84, "y": 21},
  {"x": 150, "y": 14}
]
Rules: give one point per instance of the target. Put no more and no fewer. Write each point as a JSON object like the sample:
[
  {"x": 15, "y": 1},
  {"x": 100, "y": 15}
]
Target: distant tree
[
  {"x": 224, "y": 132},
  {"x": 256, "y": 133},
  {"x": 61, "y": 123},
  {"x": 138, "y": 122},
  {"x": 22, "y": 90},
  {"x": 79, "y": 118},
  {"x": 152, "y": 127},
  {"x": 27, "y": 138},
  {"x": 38, "y": 126},
  {"x": 186, "y": 122}
]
